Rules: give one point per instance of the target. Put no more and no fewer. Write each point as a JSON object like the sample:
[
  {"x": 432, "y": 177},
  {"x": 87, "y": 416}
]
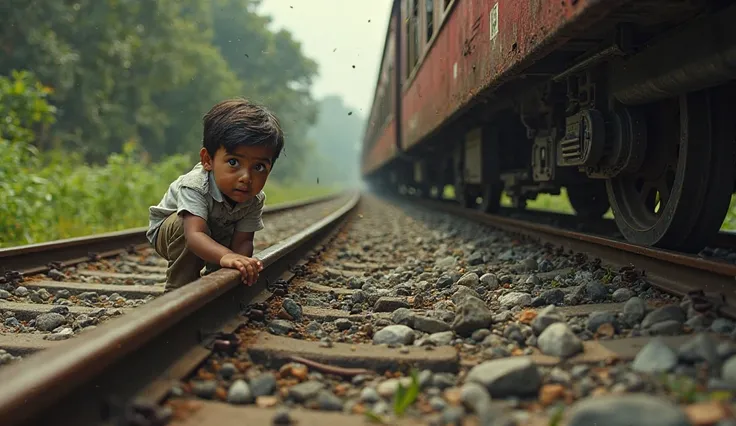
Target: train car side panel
[
  {"x": 383, "y": 150},
  {"x": 482, "y": 44}
]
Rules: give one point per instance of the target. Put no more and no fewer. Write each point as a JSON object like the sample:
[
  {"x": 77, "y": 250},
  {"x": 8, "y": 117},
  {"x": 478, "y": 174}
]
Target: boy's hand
[{"x": 249, "y": 267}]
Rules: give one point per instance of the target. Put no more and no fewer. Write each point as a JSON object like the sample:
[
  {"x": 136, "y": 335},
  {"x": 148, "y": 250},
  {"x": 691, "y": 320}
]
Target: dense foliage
[
  {"x": 52, "y": 194},
  {"x": 146, "y": 71}
]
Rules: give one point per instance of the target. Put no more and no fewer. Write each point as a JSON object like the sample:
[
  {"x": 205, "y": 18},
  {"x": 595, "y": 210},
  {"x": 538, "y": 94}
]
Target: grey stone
[
  {"x": 306, "y": 390},
  {"x": 473, "y": 314},
  {"x": 545, "y": 318},
  {"x": 461, "y": 293},
  {"x": 634, "y": 310},
  {"x": 227, "y": 370},
  {"x": 469, "y": 280},
  {"x": 239, "y": 393},
  {"x": 343, "y": 324},
  {"x": 515, "y": 298},
  {"x": 442, "y": 338},
  {"x": 666, "y": 328},
  {"x": 598, "y": 318},
  {"x": 204, "y": 389},
  {"x": 292, "y": 308},
  {"x": 394, "y": 334},
  {"x": 655, "y": 357},
  {"x": 403, "y": 316},
  {"x": 489, "y": 281},
  {"x": 558, "y": 340},
  {"x": 626, "y": 410},
  {"x": 390, "y": 304},
  {"x": 263, "y": 384},
  {"x": 328, "y": 401},
  {"x": 596, "y": 291},
  {"x": 369, "y": 395},
  {"x": 430, "y": 325},
  {"x": 665, "y": 313},
  {"x": 280, "y": 327},
  {"x": 49, "y": 321},
  {"x": 622, "y": 295},
  {"x": 517, "y": 376}
]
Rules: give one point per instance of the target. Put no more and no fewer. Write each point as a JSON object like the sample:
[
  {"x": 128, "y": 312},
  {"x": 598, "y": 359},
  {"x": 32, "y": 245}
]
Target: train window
[
  {"x": 429, "y": 9},
  {"x": 414, "y": 22}
]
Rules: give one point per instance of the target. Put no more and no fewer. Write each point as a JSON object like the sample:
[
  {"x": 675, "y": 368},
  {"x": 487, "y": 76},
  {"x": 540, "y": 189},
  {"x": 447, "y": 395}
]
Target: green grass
[
  {"x": 43, "y": 198},
  {"x": 277, "y": 193},
  {"x": 561, "y": 204}
]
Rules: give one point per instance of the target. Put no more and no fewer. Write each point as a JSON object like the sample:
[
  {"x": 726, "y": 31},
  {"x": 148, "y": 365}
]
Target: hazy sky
[{"x": 325, "y": 25}]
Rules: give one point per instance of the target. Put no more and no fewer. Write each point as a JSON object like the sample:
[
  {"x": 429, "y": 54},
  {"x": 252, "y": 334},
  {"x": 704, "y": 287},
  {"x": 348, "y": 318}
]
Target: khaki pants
[{"x": 184, "y": 266}]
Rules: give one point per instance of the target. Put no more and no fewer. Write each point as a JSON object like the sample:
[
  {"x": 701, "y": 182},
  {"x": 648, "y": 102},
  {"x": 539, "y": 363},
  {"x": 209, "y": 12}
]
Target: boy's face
[{"x": 240, "y": 174}]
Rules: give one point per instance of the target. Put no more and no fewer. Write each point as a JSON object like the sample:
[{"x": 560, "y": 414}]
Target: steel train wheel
[
  {"x": 680, "y": 194},
  {"x": 590, "y": 199}
]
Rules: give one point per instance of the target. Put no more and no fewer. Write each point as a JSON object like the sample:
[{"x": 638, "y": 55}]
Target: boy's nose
[{"x": 245, "y": 177}]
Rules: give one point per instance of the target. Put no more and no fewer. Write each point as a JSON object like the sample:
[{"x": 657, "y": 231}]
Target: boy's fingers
[
  {"x": 251, "y": 272},
  {"x": 241, "y": 267}
]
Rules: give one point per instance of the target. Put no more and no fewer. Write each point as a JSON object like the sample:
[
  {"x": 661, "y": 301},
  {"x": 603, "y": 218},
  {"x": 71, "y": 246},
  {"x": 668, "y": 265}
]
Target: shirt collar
[
  {"x": 214, "y": 190},
  {"x": 217, "y": 194}
]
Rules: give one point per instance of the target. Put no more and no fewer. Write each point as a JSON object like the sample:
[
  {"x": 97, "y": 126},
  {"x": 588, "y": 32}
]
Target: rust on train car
[{"x": 481, "y": 45}]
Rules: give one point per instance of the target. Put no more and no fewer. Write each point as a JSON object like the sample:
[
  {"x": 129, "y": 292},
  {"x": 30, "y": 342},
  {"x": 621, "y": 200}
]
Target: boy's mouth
[{"x": 241, "y": 191}]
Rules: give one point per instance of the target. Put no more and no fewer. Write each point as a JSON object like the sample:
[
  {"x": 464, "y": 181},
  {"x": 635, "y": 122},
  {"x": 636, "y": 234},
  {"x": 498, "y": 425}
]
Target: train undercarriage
[{"x": 644, "y": 126}]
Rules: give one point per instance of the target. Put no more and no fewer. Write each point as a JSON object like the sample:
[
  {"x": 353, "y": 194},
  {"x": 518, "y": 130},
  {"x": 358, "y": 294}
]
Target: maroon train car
[{"x": 628, "y": 104}]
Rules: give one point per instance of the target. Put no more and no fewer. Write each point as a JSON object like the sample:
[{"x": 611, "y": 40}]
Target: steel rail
[
  {"x": 79, "y": 381},
  {"x": 672, "y": 272},
  {"x": 34, "y": 258}
]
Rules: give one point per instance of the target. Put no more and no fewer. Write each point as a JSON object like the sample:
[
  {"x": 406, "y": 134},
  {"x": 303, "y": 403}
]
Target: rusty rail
[
  {"x": 34, "y": 258},
  {"x": 672, "y": 272},
  {"x": 94, "y": 377}
]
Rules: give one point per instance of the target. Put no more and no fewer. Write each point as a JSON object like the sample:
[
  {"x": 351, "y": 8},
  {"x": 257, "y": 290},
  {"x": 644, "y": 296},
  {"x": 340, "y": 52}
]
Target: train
[{"x": 626, "y": 104}]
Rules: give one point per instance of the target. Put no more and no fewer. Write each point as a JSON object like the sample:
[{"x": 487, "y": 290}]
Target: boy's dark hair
[{"x": 236, "y": 122}]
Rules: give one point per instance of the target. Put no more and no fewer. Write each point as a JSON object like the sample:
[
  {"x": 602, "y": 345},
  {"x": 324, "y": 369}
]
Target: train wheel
[
  {"x": 589, "y": 200},
  {"x": 679, "y": 195}
]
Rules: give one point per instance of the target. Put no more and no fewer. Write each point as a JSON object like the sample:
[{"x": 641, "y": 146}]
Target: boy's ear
[{"x": 205, "y": 158}]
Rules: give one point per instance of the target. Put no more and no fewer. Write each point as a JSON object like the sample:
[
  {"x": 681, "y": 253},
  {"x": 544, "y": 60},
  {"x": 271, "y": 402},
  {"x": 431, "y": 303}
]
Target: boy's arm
[
  {"x": 243, "y": 243},
  {"x": 201, "y": 244}
]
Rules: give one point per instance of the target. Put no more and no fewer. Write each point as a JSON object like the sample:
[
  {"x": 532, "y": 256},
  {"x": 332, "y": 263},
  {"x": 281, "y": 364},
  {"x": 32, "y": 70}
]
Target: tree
[
  {"x": 273, "y": 70},
  {"x": 148, "y": 70}
]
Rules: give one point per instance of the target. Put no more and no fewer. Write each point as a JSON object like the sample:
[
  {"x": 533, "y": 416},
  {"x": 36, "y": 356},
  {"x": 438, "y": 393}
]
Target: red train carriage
[{"x": 628, "y": 104}]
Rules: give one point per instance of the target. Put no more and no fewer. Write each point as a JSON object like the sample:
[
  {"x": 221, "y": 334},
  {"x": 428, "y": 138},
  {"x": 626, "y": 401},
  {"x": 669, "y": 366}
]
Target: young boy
[{"x": 210, "y": 215}]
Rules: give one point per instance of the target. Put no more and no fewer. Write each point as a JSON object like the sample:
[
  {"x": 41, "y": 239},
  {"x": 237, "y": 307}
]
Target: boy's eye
[
  {"x": 260, "y": 168},
  {"x": 233, "y": 162}
]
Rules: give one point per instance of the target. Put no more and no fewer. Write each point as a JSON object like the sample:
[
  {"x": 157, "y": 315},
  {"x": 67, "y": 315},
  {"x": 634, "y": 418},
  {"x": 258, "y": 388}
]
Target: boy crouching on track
[{"x": 210, "y": 215}]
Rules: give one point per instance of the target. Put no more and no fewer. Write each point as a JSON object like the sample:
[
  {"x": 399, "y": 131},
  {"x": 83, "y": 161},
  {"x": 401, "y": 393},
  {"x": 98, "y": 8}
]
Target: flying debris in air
[
  {"x": 350, "y": 113},
  {"x": 317, "y": 181}
]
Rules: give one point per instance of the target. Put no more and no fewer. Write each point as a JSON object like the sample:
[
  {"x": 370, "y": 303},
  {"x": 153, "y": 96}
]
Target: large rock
[
  {"x": 516, "y": 376},
  {"x": 394, "y": 335},
  {"x": 473, "y": 314},
  {"x": 558, "y": 340}
]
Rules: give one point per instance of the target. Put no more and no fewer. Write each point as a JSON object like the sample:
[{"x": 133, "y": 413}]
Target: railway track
[
  {"x": 54, "y": 291},
  {"x": 386, "y": 307}
]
